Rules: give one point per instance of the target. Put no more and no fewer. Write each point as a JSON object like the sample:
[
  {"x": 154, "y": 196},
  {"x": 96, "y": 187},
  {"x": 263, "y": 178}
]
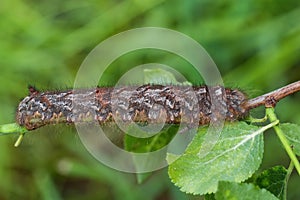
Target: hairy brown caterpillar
[{"x": 147, "y": 103}]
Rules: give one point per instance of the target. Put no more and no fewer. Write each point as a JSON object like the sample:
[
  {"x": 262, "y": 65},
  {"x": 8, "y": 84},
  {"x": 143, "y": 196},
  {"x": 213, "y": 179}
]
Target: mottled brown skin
[{"x": 147, "y": 104}]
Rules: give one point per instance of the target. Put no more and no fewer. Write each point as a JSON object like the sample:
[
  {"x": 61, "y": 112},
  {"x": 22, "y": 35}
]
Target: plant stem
[
  {"x": 276, "y": 95},
  {"x": 287, "y": 177},
  {"x": 272, "y": 117},
  {"x": 12, "y": 128},
  {"x": 19, "y": 140},
  {"x": 257, "y": 120}
]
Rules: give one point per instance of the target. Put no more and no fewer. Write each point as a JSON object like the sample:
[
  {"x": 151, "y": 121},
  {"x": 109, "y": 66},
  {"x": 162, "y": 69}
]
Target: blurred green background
[{"x": 255, "y": 44}]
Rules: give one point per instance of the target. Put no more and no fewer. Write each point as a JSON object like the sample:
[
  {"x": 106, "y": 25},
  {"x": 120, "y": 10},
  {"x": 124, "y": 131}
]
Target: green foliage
[
  {"x": 242, "y": 191},
  {"x": 280, "y": 134},
  {"x": 11, "y": 128},
  {"x": 149, "y": 144},
  {"x": 292, "y": 133},
  {"x": 235, "y": 157},
  {"x": 274, "y": 180},
  {"x": 254, "y": 43},
  {"x": 160, "y": 76}
]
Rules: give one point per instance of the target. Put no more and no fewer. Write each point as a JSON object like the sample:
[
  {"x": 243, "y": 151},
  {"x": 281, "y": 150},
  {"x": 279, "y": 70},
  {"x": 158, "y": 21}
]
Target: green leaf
[
  {"x": 172, "y": 157},
  {"x": 144, "y": 145},
  {"x": 149, "y": 144},
  {"x": 160, "y": 76},
  {"x": 210, "y": 197},
  {"x": 243, "y": 191},
  {"x": 235, "y": 157},
  {"x": 142, "y": 177},
  {"x": 273, "y": 180},
  {"x": 292, "y": 133},
  {"x": 46, "y": 185},
  {"x": 11, "y": 129}
]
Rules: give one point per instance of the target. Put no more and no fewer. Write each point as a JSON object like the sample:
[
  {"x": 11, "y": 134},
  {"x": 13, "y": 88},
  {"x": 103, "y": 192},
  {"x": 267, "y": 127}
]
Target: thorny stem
[{"x": 275, "y": 95}]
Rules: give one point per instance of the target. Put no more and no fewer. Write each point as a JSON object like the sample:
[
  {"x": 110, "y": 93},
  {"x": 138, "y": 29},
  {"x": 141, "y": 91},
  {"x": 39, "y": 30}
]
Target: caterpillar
[{"x": 147, "y": 104}]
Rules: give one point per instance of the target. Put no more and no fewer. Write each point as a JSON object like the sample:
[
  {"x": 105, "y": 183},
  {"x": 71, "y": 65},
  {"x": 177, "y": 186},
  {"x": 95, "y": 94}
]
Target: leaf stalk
[{"x": 272, "y": 117}]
